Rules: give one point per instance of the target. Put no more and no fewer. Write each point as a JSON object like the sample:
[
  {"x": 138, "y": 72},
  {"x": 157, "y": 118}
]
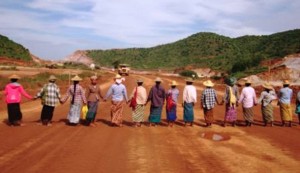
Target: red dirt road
[{"x": 63, "y": 148}]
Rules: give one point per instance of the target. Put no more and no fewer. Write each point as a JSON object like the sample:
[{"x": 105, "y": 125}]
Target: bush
[{"x": 189, "y": 73}]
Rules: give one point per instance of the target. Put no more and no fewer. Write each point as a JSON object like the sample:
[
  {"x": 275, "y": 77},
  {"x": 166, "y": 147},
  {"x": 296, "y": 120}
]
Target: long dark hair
[{"x": 73, "y": 97}]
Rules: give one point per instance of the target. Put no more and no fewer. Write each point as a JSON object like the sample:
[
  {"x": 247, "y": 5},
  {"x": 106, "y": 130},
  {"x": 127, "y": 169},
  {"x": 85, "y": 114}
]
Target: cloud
[{"x": 67, "y": 25}]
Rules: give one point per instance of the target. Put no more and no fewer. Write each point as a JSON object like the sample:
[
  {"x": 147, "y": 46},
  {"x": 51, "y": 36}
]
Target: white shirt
[
  {"x": 248, "y": 97},
  {"x": 190, "y": 94}
]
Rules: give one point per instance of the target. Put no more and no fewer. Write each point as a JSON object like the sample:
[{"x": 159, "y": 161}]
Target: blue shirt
[
  {"x": 117, "y": 92},
  {"x": 285, "y": 95}
]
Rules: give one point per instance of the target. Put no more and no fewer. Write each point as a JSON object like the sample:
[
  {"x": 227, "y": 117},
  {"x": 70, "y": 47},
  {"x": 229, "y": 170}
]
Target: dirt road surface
[{"x": 79, "y": 149}]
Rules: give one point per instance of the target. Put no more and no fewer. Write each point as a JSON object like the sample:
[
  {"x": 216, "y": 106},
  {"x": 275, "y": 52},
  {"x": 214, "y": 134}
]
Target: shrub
[{"x": 189, "y": 73}]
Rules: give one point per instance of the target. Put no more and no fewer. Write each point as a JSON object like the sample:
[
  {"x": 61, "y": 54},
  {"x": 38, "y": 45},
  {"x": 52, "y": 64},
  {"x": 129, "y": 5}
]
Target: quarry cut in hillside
[
  {"x": 285, "y": 68},
  {"x": 79, "y": 56}
]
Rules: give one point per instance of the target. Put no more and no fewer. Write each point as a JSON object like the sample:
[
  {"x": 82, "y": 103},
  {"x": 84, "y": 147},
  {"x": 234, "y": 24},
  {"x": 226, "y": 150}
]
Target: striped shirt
[
  {"x": 49, "y": 94},
  {"x": 79, "y": 95},
  {"x": 117, "y": 92},
  {"x": 208, "y": 98}
]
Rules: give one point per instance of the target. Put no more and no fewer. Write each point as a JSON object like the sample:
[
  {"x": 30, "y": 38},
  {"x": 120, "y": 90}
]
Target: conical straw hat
[
  {"x": 208, "y": 83},
  {"x": 76, "y": 78},
  {"x": 14, "y": 76},
  {"x": 174, "y": 83}
]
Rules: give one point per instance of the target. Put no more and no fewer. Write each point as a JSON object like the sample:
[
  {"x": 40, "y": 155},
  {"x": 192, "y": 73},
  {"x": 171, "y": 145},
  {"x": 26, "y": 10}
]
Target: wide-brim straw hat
[
  {"x": 174, "y": 83},
  {"x": 248, "y": 81},
  {"x": 286, "y": 82},
  {"x": 52, "y": 78},
  {"x": 94, "y": 77},
  {"x": 189, "y": 80},
  {"x": 118, "y": 76},
  {"x": 14, "y": 76},
  {"x": 208, "y": 83},
  {"x": 158, "y": 79},
  {"x": 268, "y": 86},
  {"x": 139, "y": 81},
  {"x": 76, "y": 78}
]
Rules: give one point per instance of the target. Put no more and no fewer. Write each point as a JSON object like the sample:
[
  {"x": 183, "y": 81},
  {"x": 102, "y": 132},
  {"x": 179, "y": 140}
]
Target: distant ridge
[{"x": 230, "y": 55}]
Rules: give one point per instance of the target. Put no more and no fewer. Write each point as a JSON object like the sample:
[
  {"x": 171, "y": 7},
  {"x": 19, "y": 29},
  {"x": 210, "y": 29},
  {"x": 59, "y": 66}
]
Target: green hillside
[
  {"x": 10, "y": 49},
  {"x": 231, "y": 55}
]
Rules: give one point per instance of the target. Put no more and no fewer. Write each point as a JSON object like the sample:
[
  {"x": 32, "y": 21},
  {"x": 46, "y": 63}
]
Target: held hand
[{"x": 222, "y": 102}]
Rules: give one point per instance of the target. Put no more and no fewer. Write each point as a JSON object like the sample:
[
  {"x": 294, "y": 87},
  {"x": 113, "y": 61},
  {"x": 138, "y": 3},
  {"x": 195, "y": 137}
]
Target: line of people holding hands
[{"x": 158, "y": 98}]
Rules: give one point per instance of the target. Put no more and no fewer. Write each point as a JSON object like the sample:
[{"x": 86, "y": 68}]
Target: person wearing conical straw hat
[
  {"x": 298, "y": 106},
  {"x": 208, "y": 101},
  {"x": 230, "y": 99},
  {"x": 118, "y": 95},
  {"x": 50, "y": 95},
  {"x": 172, "y": 98},
  {"x": 13, "y": 92},
  {"x": 77, "y": 94},
  {"x": 285, "y": 95},
  {"x": 157, "y": 97},
  {"x": 93, "y": 96},
  {"x": 138, "y": 99},
  {"x": 265, "y": 99},
  {"x": 248, "y": 100},
  {"x": 189, "y": 100}
]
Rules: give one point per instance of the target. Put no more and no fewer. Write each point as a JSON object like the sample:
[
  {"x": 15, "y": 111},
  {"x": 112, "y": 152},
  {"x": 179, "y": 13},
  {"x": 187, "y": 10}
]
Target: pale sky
[{"x": 53, "y": 29}]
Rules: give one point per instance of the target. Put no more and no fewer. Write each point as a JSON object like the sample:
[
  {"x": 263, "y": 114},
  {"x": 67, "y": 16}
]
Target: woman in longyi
[
  {"x": 118, "y": 95},
  {"x": 77, "y": 95}
]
